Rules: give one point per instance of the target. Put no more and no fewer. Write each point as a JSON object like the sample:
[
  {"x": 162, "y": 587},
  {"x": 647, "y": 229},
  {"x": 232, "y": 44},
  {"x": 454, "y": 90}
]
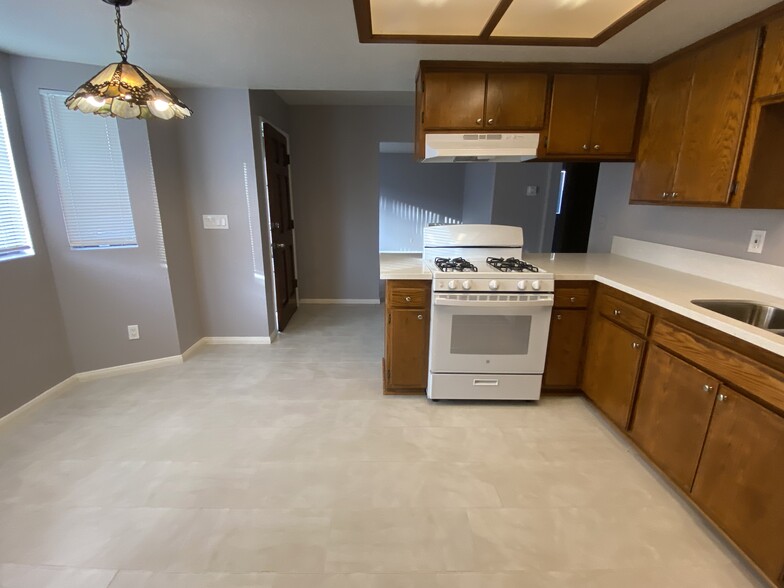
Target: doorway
[
  {"x": 574, "y": 211},
  {"x": 281, "y": 222}
]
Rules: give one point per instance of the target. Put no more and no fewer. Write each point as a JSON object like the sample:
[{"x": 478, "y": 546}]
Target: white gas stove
[{"x": 491, "y": 314}]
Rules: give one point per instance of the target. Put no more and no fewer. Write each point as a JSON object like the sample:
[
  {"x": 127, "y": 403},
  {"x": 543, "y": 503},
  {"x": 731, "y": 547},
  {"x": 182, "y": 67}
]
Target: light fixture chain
[{"x": 123, "y": 35}]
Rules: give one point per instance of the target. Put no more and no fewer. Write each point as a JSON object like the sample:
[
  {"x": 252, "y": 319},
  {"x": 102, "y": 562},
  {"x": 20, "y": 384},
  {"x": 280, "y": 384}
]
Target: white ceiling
[{"x": 306, "y": 44}]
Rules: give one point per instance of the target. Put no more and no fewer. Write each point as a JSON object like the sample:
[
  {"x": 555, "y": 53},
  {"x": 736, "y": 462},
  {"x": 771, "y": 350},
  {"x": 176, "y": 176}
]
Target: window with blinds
[
  {"x": 14, "y": 234},
  {"x": 90, "y": 176}
]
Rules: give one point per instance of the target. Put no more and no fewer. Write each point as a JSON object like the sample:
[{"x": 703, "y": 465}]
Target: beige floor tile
[{"x": 20, "y": 576}]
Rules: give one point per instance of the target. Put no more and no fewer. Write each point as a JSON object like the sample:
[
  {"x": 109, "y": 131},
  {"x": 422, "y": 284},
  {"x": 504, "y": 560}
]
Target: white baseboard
[
  {"x": 237, "y": 340},
  {"x": 340, "y": 301},
  {"x": 50, "y": 393},
  {"x": 129, "y": 368},
  {"x": 191, "y": 351}
]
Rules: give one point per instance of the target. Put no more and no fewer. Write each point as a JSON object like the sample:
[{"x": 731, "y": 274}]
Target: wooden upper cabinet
[
  {"x": 715, "y": 119},
  {"x": 770, "y": 77},
  {"x": 454, "y": 100},
  {"x": 740, "y": 479},
  {"x": 516, "y": 101},
  {"x": 669, "y": 89},
  {"x": 594, "y": 115}
]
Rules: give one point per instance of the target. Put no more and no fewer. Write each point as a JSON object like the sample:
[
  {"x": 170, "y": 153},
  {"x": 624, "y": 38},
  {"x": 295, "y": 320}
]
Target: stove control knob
[
  {"x": 493, "y": 285},
  {"x": 467, "y": 285},
  {"x": 536, "y": 285},
  {"x": 521, "y": 285},
  {"x": 452, "y": 285}
]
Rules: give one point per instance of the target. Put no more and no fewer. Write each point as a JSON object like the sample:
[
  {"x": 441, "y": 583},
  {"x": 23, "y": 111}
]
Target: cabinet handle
[
  {"x": 674, "y": 195},
  {"x": 490, "y": 121},
  {"x": 420, "y": 317},
  {"x": 722, "y": 397},
  {"x": 707, "y": 388},
  {"x": 408, "y": 298},
  {"x": 573, "y": 299},
  {"x": 636, "y": 345},
  {"x": 616, "y": 312},
  {"x": 597, "y": 147},
  {"x": 479, "y": 121},
  {"x": 585, "y": 148},
  {"x": 558, "y": 317}
]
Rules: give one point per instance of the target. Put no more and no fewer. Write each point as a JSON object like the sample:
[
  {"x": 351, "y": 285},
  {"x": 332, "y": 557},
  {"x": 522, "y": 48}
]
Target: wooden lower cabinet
[
  {"x": 612, "y": 366},
  {"x": 565, "y": 348},
  {"x": 671, "y": 414},
  {"x": 407, "y": 336},
  {"x": 740, "y": 479}
]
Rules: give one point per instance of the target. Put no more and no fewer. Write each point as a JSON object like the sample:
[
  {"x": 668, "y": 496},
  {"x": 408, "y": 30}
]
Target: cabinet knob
[
  {"x": 616, "y": 312},
  {"x": 722, "y": 397},
  {"x": 665, "y": 195},
  {"x": 585, "y": 148},
  {"x": 707, "y": 388},
  {"x": 558, "y": 317},
  {"x": 408, "y": 298},
  {"x": 674, "y": 195},
  {"x": 597, "y": 147},
  {"x": 636, "y": 345},
  {"x": 479, "y": 121},
  {"x": 573, "y": 299},
  {"x": 420, "y": 317},
  {"x": 491, "y": 121}
]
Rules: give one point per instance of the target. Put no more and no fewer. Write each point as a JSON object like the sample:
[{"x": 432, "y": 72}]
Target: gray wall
[
  {"x": 413, "y": 195},
  {"x": 535, "y": 214},
  {"x": 335, "y": 162},
  {"x": 478, "y": 193},
  {"x": 173, "y": 203},
  {"x": 100, "y": 291},
  {"x": 219, "y": 170},
  {"x": 724, "y": 232},
  {"x": 34, "y": 353}
]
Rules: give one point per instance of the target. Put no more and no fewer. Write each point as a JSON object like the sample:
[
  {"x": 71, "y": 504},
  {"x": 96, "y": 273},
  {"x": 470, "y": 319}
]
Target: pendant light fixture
[{"x": 126, "y": 90}]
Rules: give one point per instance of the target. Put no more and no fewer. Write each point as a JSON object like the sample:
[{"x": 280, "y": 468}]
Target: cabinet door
[
  {"x": 669, "y": 89},
  {"x": 408, "y": 333},
  {"x": 740, "y": 479},
  {"x": 715, "y": 119},
  {"x": 671, "y": 415},
  {"x": 770, "y": 78},
  {"x": 571, "y": 114},
  {"x": 454, "y": 100},
  {"x": 615, "y": 119},
  {"x": 516, "y": 101},
  {"x": 564, "y": 348},
  {"x": 612, "y": 364}
]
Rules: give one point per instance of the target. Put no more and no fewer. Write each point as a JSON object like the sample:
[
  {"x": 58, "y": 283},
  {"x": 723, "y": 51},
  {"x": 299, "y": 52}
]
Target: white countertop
[{"x": 658, "y": 285}]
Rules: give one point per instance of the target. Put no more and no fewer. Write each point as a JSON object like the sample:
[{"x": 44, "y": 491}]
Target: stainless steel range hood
[{"x": 471, "y": 147}]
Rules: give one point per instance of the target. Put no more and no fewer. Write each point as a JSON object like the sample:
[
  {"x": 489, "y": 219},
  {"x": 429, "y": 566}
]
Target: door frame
[{"x": 261, "y": 121}]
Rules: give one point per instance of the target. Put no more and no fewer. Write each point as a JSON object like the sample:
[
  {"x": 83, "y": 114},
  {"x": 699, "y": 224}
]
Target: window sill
[{"x": 16, "y": 255}]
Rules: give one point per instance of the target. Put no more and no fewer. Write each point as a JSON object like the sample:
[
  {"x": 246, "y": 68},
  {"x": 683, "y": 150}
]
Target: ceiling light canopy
[{"x": 126, "y": 90}]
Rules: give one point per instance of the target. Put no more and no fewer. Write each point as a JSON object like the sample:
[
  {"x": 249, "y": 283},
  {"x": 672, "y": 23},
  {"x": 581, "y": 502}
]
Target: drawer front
[
  {"x": 411, "y": 295},
  {"x": 624, "y": 314},
  {"x": 484, "y": 387},
  {"x": 572, "y": 297}
]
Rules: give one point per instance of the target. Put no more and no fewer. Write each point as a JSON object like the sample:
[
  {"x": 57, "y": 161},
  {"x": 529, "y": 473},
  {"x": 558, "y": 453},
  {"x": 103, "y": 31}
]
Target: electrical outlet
[
  {"x": 133, "y": 332},
  {"x": 215, "y": 221},
  {"x": 532, "y": 191},
  {"x": 757, "y": 242}
]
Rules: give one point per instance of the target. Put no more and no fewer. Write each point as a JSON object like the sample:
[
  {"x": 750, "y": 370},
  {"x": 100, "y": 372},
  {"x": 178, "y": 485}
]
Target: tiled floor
[{"x": 283, "y": 467}]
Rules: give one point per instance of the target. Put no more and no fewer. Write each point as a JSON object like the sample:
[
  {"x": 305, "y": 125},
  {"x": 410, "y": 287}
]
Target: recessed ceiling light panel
[{"x": 430, "y": 17}]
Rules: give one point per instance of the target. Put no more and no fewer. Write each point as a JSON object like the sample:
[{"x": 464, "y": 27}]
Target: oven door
[{"x": 489, "y": 333}]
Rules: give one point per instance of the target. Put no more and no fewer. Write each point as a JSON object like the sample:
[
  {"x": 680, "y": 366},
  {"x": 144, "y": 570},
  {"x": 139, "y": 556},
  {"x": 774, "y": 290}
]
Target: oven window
[{"x": 490, "y": 335}]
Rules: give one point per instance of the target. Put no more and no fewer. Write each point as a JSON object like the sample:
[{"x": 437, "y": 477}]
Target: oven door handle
[{"x": 539, "y": 302}]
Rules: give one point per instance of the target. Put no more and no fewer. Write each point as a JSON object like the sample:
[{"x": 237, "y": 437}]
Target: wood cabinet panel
[
  {"x": 516, "y": 101},
  {"x": 770, "y": 76},
  {"x": 408, "y": 345},
  {"x": 612, "y": 366},
  {"x": 740, "y": 479},
  {"x": 572, "y": 109},
  {"x": 454, "y": 100},
  {"x": 669, "y": 89},
  {"x": 623, "y": 313},
  {"x": 671, "y": 414},
  {"x": 406, "y": 297},
  {"x": 564, "y": 348},
  {"x": 715, "y": 119},
  {"x": 615, "y": 119},
  {"x": 572, "y": 297}
]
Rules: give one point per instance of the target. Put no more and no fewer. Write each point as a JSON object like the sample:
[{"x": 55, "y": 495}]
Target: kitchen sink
[{"x": 759, "y": 315}]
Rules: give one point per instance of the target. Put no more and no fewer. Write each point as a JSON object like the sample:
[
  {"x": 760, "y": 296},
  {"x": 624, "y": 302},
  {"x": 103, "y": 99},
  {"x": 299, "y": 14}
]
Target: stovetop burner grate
[
  {"x": 458, "y": 264},
  {"x": 511, "y": 264}
]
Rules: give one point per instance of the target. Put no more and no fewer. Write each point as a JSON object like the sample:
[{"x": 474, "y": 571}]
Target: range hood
[{"x": 472, "y": 147}]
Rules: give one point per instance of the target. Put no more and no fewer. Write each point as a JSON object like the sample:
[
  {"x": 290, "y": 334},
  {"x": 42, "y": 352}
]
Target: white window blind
[
  {"x": 14, "y": 234},
  {"x": 90, "y": 176}
]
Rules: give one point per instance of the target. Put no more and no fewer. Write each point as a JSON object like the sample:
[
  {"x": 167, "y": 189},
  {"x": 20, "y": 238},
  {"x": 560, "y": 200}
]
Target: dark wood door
[
  {"x": 571, "y": 114},
  {"x": 454, "y": 100},
  {"x": 662, "y": 130},
  {"x": 564, "y": 348},
  {"x": 770, "y": 77},
  {"x": 516, "y": 101},
  {"x": 276, "y": 153},
  {"x": 715, "y": 119},
  {"x": 671, "y": 414},
  {"x": 408, "y": 331},
  {"x": 612, "y": 365},
  {"x": 615, "y": 119},
  {"x": 740, "y": 479}
]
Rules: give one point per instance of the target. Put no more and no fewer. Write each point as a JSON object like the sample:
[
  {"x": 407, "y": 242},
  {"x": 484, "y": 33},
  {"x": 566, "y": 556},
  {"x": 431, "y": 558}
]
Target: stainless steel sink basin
[{"x": 759, "y": 315}]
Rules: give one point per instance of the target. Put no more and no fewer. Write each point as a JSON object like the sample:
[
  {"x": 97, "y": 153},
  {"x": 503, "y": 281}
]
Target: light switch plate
[
  {"x": 532, "y": 191},
  {"x": 215, "y": 221},
  {"x": 757, "y": 242}
]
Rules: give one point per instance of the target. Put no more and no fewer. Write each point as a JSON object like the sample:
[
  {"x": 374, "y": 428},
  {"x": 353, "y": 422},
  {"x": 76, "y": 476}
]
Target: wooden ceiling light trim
[{"x": 362, "y": 12}]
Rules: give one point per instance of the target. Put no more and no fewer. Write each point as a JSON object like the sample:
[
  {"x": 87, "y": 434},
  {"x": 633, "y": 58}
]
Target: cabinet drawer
[
  {"x": 572, "y": 297},
  {"x": 401, "y": 294},
  {"x": 624, "y": 314}
]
